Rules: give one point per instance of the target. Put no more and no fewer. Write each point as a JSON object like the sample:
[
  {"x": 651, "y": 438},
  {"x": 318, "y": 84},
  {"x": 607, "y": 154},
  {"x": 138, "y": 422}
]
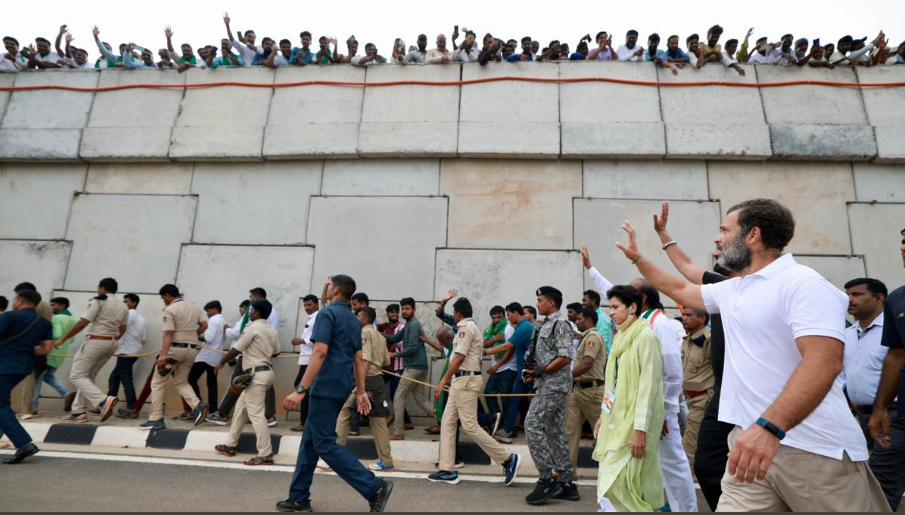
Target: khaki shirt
[
  {"x": 106, "y": 316},
  {"x": 592, "y": 346},
  {"x": 45, "y": 311},
  {"x": 374, "y": 350},
  {"x": 697, "y": 369},
  {"x": 469, "y": 343},
  {"x": 184, "y": 318},
  {"x": 258, "y": 344}
]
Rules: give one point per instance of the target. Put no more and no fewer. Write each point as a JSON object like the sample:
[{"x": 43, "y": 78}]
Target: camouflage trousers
[{"x": 545, "y": 430}]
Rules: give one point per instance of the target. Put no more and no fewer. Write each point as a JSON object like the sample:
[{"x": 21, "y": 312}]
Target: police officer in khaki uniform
[
  {"x": 697, "y": 369},
  {"x": 465, "y": 386},
  {"x": 375, "y": 356},
  {"x": 258, "y": 344},
  {"x": 106, "y": 318},
  {"x": 587, "y": 391},
  {"x": 183, "y": 323}
]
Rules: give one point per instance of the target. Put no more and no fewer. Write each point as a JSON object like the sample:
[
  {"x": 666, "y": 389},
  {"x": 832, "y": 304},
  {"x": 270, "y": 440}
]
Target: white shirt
[
  {"x": 73, "y": 63},
  {"x": 575, "y": 342},
  {"x": 510, "y": 364},
  {"x": 248, "y": 55},
  {"x": 758, "y": 58},
  {"x": 135, "y": 336},
  {"x": 863, "y": 361},
  {"x": 728, "y": 60},
  {"x": 232, "y": 332},
  {"x": 19, "y": 63},
  {"x": 461, "y": 56},
  {"x": 51, "y": 57},
  {"x": 307, "y": 348},
  {"x": 214, "y": 337},
  {"x": 625, "y": 53},
  {"x": 763, "y": 313},
  {"x": 435, "y": 55},
  {"x": 670, "y": 352}
]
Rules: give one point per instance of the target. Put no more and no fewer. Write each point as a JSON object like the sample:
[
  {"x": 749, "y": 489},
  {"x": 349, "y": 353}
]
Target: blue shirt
[
  {"x": 648, "y": 57},
  {"x": 514, "y": 58},
  {"x": 605, "y": 328},
  {"x": 17, "y": 356},
  {"x": 679, "y": 54},
  {"x": 894, "y": 334},
  {"x": 576, "y": 57},
  {"x": 340, "y": 330},
  {"x": 260, "y": 58},
  {"x": 297, "y": 56},
  {"x": 863, "y": 362},
  {"x": 521, "y": 339}
]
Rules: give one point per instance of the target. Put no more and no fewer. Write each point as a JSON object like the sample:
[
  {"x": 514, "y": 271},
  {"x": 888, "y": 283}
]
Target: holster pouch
[{"x": 167, "y": 368}]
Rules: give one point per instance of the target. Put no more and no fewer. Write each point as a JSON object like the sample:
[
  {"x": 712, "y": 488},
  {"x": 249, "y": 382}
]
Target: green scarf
[
  {"x": 493, "y": 330},
  {"x": 63, "y": 312}
]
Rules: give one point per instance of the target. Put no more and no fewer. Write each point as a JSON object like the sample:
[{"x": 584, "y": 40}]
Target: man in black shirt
[{"x": 713, "y": 437}]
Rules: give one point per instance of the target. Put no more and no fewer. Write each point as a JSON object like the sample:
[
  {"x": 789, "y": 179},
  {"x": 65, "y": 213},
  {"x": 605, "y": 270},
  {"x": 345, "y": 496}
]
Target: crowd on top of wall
[{"x": 242, "y": 50}]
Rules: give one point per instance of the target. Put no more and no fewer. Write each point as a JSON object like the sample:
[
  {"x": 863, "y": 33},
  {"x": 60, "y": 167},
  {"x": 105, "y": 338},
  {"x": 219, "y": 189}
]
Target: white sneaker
[
  {"x": 272, "y": 422},
  {"x": 322, "y": 465}
]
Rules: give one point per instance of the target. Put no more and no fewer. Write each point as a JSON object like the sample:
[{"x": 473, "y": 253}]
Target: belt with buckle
[
  {"x": 261, "y": 368},
  {"x": 184, "y": 345},
  {"x": 105, "y": 338},
  {"x": 463, "y": 373},
  {"x": 589, "y": 384},
  {"x": 692, "y": 395}
]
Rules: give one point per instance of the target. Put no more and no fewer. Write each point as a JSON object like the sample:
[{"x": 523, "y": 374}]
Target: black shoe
[
  {"x": 545, "y": 490},
  {"x": 29, "y": 449},
  {"x": 378, "y": 501},
  {"x": 510, "y": 468},
  {"x": 569, "y": 492},
  {"x": 286, "y": 506}
]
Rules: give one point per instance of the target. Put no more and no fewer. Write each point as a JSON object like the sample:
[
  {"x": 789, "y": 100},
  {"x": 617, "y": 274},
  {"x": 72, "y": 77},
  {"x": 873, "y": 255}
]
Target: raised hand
[
  {"x": 660, "y": 221},
  {"x": 69, "y": 38},
  {"x": 168, "y": 32},
  {"x": 630, "y": 249},
  {"x": 96, "y": 31},
  {"x": 226, "y": 18},
  {"x": 63, "y": 29},
  {"x": 585, "y": 257},
  {"x": 451, "y": 294}
]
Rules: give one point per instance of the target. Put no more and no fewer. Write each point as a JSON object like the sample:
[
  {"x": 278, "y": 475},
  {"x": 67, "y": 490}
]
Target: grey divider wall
[
  {"x": 667, "y": 180},
  {"x": 410, "y": 120},
  {"x": 602, "y": 119},
  {"x": 884, "y": 109},
  {"x": 713, "y": 121},
  {"x": 816, "y": 122},
  {"x": 226, "y": 122},
  {"x": 132, "y": 124},
  {"x": 148, "y": 178},
  {"x": 382, "y": 177},
  {"x": 40, "y": 262},
  {"x": 879, "y": 183},
  {"x": 46, "y": 125},
  {"x": 314, "y": 121},
  {"x": 6, "y": 80},
  {"x": 512, "y": 119},
  {"x": 24, "y": 187},
  {"x": 876, "y": 235}
]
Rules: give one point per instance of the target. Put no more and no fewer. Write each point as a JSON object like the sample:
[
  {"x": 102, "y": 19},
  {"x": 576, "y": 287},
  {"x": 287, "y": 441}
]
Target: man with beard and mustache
[{"x": 784, "y": 326}]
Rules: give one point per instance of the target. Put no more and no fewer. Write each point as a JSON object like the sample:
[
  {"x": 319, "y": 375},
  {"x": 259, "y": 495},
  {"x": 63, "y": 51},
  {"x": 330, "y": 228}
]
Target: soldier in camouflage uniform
[{"x": 547, "y": 365}]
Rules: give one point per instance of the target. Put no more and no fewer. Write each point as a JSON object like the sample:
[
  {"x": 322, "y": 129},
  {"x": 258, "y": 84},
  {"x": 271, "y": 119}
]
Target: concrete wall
[{"x": 413, "y": 190}]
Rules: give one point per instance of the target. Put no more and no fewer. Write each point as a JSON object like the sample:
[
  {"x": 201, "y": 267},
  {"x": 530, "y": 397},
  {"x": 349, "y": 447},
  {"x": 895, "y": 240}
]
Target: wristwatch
[
  {"x": 301, "y": 390},
  {"x": 771, "y": 427}
]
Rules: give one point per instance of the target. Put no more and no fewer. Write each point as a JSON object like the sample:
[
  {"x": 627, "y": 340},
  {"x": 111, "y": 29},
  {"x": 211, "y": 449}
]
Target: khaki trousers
[
  {"x": 803, "y": 481},
  {"x": 180, "y": 374},
  {"x": 696, "y": 409},
  {"x": 417, "y": 391},
  {"x": 462, "y": 406},
  {"x": 584, "y": 404},
  {"x": 88, "y": 361},
  {"x": 378, "y": 430},
  {"x": 250, "y": 408},
  {"x": 22, "y": 394}
]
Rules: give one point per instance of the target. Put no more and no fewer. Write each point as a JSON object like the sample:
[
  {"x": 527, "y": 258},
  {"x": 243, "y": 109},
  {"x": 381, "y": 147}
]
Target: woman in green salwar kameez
[{"x": 628, "y": 432}]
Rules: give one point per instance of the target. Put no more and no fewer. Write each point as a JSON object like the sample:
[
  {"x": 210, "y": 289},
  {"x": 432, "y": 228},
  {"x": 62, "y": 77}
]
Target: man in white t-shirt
[
  {"x": 306, "y": 348},
  {"x": 796, "y": 446},
  {"x": 130, "y": 343},
  {"x": 245, "y": 45},
  {"x": 631, "y": 50}
]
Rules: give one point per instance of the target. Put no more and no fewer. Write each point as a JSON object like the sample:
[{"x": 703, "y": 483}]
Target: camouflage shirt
[{"x": 554, "y": 340}]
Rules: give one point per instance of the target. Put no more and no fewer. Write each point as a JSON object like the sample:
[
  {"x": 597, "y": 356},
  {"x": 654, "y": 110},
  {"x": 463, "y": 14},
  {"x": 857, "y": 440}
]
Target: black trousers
[
  {"x": 199, "y": 368},
  {"x": 303, "y": 406},
  {"x": 712, "y": 454},
  {"x": 888, "y": 465},
  {"x": 122, "y": 374},
  {"x": 229, "y": 399}
]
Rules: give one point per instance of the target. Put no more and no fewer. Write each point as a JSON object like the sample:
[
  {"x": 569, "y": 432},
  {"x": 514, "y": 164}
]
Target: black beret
[{"x": 548, "y": 290}]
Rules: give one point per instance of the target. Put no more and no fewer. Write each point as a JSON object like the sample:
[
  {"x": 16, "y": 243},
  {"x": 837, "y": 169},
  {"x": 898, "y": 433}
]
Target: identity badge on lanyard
[{"x": 609, "y": 397}]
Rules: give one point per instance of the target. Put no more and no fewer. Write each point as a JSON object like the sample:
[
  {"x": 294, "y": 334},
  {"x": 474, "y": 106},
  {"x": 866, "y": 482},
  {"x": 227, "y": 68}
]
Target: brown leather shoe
[
  {"x": 396, "y": 438},
  {"x": 408, "y": 427},
  {"x": 432, "y": 430}
]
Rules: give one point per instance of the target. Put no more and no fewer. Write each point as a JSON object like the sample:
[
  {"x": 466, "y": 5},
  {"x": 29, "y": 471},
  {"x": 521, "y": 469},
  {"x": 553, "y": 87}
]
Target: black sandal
[
  {"x": 226, "y": 450},
  {"x": 260, "y": 460}
]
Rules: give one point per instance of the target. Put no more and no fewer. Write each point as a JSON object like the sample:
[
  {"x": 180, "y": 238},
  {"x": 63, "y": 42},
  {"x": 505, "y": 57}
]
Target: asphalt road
[{"x": 48, "y": 483}]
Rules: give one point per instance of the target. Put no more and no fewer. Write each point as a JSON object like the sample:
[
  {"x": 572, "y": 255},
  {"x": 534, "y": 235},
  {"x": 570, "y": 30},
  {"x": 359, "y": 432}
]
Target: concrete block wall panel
[
  {"x": 666, "y": 180},
  {"x": 254, "y": 203},
  {"x": 132, "y": 124},
  {"x": 491, "y": 277},
  {"x": 598, "y": 224},
  {"x": 890, "y": 148},
  {"x": 314, "y": 121},
  {"x": 223, "y": 123},
  {"x": 521, "y": 121},
  {"x": 876, "y": 234},
  {"x": 601, "y": 119},
  {"x": 815, "y": 192},
  {"x": 830, "y": 142},
  {"x": 46, "y": 125},
  {"x": 227, "y": 272},
  {"x": 835, "y": 269},
  {"x": 35, "y": 199},
  {"x": 42, "y": 263},
  {"x": 150, "y": 307},
  {"x": 382, "y": 177},
  {"x": 135, "y": 239},
  {"x": 879, "y": 183},
  {"x": 510, "y": 204},
  {"x": 141, "y": 178},
  {"x": 410, "y": 120},
  {"x": 397, "y": 235},
  {"x": 713, "y": 121},
  {"x": 6, "y": 80},
  {"x": 884, "y": 106}
]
